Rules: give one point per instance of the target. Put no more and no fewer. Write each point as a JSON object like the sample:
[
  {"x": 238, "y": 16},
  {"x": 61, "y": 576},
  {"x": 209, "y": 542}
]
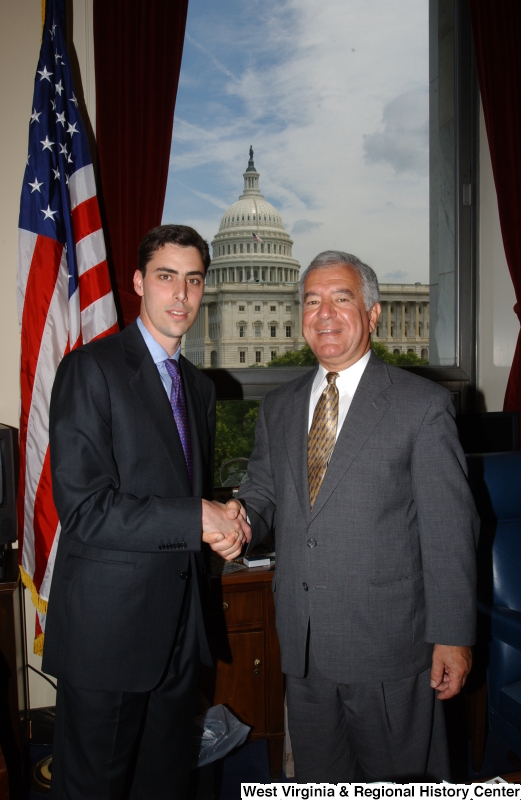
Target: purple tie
[{"x": 177, "y": 401}]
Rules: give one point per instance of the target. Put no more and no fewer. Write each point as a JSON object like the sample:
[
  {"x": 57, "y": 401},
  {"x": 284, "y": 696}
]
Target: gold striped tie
[{"x": 322, "y": 436}]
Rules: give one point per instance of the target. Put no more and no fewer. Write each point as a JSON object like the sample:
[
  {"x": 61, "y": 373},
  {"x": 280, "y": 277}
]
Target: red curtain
[
  {"x": 496, "y": 29},
  {"x": 138, "y": 45}
]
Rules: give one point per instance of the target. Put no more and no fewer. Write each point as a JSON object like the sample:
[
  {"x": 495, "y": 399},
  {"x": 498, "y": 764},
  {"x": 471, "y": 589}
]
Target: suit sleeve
[
  {"x": 448, "y": 525},
  {"x": 91, "y": 508},
  {"x": 257, "y": 493}
]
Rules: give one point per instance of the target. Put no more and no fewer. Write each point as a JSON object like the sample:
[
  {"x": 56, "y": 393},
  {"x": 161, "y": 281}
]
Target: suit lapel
[
  {"x": 195, "y": 414},
  {"x": 148, "y": 388},
  {"x": 367, "y": 409},
  {"x": 296, "y": 415}
]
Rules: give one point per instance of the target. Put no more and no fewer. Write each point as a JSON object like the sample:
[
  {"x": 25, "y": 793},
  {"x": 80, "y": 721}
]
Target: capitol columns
[{"x": 206, "y": 324}]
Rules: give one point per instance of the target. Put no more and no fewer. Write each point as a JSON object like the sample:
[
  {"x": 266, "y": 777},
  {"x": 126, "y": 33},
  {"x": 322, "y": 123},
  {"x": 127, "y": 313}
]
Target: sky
[{"x": 333, "y": 97}]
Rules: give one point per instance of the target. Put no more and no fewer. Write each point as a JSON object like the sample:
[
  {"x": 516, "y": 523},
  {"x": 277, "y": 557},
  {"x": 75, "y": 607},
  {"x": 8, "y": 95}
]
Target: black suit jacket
[{"x": 130, "y": 522}]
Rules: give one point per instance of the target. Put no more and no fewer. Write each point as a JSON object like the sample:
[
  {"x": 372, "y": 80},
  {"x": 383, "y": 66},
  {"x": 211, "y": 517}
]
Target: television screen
[{"x": 7, "y": 486}]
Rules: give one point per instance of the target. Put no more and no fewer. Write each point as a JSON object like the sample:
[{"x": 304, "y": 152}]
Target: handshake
[{"x": 225, "y": 527}]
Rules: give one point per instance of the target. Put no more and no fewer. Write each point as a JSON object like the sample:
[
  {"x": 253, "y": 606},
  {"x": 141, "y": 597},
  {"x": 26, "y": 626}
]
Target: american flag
[
  {"x": 257, "y": 238},
  {"x": 63, "y": 291}
]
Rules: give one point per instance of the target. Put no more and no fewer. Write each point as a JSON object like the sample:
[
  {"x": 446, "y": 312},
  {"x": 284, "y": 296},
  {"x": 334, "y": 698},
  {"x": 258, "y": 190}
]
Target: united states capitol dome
[
  {"x": 253, "y": 226},
  {"x": 251, "y": 208}
]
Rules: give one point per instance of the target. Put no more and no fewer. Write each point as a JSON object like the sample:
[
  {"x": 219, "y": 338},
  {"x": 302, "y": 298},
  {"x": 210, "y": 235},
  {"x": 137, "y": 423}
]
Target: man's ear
[
  {"x": 374, "y": 316},
  {"x": 138, "y": 282}
]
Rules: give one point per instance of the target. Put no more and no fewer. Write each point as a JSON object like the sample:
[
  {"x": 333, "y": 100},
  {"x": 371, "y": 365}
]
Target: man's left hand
[
  {"x": 450, "y": 667},
  {"x": 234, "y": 509}
]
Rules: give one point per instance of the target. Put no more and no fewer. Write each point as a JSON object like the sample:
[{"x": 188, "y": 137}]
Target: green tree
[
  {"x": 235, "y": 431},
  {"x": 295, "y": 358},
  {"x": 398, "y": 359},
  {"x": 306, "y": 358}
]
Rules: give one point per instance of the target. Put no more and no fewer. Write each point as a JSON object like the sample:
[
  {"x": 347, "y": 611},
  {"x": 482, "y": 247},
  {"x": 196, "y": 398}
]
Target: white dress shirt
[{"x": 346, "y": 383}]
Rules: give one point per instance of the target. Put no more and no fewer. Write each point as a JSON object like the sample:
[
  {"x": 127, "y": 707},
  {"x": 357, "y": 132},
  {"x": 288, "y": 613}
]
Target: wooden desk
[{"x": 247, "y": 676}]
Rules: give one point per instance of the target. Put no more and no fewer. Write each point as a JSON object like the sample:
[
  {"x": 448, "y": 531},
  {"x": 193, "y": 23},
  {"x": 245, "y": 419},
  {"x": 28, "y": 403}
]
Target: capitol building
[{"x": 251, "y": 311}]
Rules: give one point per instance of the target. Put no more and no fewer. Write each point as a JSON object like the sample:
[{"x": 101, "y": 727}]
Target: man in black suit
[{"x": 132, "y": 427}]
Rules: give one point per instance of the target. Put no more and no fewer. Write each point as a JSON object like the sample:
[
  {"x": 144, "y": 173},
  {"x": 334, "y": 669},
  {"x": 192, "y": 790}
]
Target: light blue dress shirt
[{"x": 159, "y": 355}]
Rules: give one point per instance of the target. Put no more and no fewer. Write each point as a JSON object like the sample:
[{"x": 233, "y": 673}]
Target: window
[
  {"x": 234, "y": 248},
  {"x": 247, "y": 247},
  {"x": 262, "y": 248},
  {"x": 258, "y": 356},
  {"x": 242, "y": 308},
  {"x": 377, "y": 331},
  {"x": 273, "y": 354},
  {"x": 241, "y": 246},
  {"x": 242, "y": 356},
  {"x": 448, "y": 82},
  {"x": 288, "y": 331},
  {"x": 257, "y": 308},
  {"x": 213, "y": 358},
  {"x": 255, "y": 247},
  {"x": 273, "y": 308},
  {"x": 228, "y": 249},
  {"x": 273, "y": 331},
  {"x": 242, "y": 331},
  {"x": 257, "y": 329},
  {"x": 288, "y": 308}
]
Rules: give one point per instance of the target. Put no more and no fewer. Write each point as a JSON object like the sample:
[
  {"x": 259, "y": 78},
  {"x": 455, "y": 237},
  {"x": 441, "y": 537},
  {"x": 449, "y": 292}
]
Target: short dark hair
[{"x": 182, "y": 235}]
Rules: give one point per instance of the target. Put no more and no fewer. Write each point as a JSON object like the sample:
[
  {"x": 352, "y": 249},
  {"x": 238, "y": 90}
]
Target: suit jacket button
[
  {"x": 183, "y": 544},
  {"x": 312, "y": 543},
  {"x": 161, "y": 547},
  {"x": 305, "y": 587},
  {"x": 184, "y": 575}
]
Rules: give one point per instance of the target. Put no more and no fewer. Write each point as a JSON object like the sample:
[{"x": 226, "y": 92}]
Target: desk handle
[{"x": 225, "y": 606}]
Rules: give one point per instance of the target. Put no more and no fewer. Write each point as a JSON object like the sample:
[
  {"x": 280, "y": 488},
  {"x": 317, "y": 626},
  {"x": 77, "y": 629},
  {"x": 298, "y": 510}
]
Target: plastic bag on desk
[{"x": 216, "y": 733}]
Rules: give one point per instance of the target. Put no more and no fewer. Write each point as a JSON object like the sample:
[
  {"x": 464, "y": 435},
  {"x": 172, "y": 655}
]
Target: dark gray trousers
[
  {"x": 137, "y": 745},
  {"x": 362, "y": 732}
]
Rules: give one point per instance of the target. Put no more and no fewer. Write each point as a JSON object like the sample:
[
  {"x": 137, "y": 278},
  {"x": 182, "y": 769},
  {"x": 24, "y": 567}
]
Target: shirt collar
[
  {"x": 156, "y": 350},
  {"x": 346, "y": 377}
]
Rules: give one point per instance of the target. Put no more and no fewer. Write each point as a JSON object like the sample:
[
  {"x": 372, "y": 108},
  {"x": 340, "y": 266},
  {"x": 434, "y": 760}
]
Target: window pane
[{"x": 372, "y": 166}]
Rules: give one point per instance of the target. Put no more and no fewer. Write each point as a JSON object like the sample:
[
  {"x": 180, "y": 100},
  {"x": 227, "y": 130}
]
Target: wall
[{"x": 498, "y": 326}]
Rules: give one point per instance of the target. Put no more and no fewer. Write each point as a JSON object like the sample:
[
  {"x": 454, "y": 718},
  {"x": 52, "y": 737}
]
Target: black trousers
[
  {"x": 119, "y": 745},
  {"x": 363, "y": 732}
]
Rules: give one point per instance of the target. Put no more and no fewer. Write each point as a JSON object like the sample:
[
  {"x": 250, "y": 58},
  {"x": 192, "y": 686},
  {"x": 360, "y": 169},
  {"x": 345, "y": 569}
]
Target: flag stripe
[
  {"x": 94, "y": 283},
  {"x": 45, "y": 521},
  {"x": 26, "y": 244},
  {"x": 98, "y": 317},
  {"x": 86, "y": 219},
  {"x": 90, "y": 251},
  {"x": 54, "y": 341},
  {"x": 82, "y": 185}
]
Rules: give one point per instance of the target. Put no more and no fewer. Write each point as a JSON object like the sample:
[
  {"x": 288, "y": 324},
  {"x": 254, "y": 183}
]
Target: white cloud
[
  {"x": 306, "y": 87},
  {"x": 403, "y": 139},
  {"x": 214, "y": 201},
  {"x": 305, "y": 226},
  {"x": 398, "y": 276}
]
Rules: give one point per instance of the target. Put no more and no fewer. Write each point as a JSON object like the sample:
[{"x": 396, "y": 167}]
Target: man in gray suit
[{"x": 358, "y": 467}]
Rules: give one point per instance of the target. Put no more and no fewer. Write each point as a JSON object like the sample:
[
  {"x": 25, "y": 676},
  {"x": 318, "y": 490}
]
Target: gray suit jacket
[{"x": 384, "y": 567}]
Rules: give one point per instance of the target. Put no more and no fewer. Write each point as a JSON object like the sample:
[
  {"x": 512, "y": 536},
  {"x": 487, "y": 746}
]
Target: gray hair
[{"x": 330, "y": 258}]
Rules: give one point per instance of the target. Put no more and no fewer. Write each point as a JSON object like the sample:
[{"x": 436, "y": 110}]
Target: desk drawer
[{"x": 242, "y": 608}]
